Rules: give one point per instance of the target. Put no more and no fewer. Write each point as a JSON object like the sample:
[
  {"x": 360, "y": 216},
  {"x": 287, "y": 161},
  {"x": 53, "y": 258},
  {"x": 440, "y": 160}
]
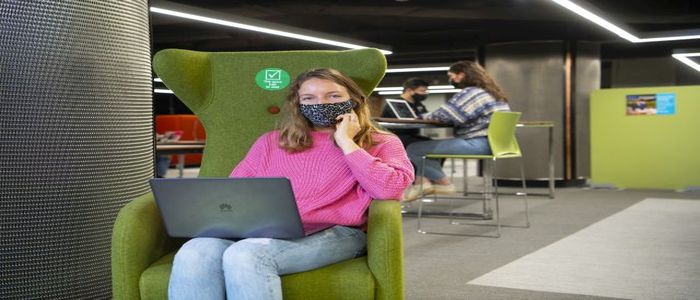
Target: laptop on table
[
  {"x": 401, "y": 109},
  {"x": 232, "y": 208}
]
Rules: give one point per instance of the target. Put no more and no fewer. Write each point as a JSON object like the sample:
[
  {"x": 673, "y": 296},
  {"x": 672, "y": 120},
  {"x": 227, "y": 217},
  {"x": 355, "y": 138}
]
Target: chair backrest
[
  {"x": 501, "y": 134},
  {"x": 238, "y": 95}
]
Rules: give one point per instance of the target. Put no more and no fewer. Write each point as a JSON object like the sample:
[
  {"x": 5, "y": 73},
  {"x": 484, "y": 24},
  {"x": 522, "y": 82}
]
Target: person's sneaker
[
  {"x": 413, "y": 191},
  {"x": 444, "y": 189}
]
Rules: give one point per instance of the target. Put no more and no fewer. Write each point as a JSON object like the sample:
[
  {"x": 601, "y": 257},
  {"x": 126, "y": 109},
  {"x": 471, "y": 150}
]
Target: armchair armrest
[
  {"x": 385, "y": 248},
  {"x": 138, "y": 239}
]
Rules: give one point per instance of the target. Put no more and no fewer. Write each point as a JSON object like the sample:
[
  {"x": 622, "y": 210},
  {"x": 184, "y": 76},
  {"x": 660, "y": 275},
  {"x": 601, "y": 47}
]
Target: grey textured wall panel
[
  {"x": 587, "y": 79},
  {"x": 75, "y": 140},
  {"x": 532, "y": 75}
]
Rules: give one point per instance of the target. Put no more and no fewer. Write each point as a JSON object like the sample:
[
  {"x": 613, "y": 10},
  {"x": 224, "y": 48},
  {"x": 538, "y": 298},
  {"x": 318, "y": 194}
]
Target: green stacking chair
[
  {"x": 501, "y": 136},
  {"x": 238, "y": 96}
]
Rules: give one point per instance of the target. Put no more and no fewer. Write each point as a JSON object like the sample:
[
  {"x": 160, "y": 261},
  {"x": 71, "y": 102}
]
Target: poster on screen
[{"x": 651, "y": 104}]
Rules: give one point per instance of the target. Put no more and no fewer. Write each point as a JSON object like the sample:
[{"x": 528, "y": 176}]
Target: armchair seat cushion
[
  {"x": 153, "y": 283},
  {"x": 350, "y": 279}
]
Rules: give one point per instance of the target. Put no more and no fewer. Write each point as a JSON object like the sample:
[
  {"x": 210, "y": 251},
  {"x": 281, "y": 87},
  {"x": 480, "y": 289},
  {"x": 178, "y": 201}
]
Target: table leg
[
  {"x": 551, "y": 162},
  {"x": 181, "y": 164}
]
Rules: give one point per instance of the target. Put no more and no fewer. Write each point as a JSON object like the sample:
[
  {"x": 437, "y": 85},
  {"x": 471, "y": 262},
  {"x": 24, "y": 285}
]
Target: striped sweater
[
  {"x": 470, "y": 111},
  {"x": 332, "y": 188}
]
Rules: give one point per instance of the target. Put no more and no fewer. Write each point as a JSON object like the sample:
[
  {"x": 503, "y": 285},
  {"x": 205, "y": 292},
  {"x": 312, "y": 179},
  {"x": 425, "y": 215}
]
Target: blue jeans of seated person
[
  {"x": 162, "y": 164},
  {"x": 212, "y": 268},
  {"x": 433, "y": 169}
]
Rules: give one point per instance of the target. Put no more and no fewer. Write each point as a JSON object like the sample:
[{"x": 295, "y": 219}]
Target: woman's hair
[
  {"x": 475, "y": 75},
  {"x": 295, "y": 129}
]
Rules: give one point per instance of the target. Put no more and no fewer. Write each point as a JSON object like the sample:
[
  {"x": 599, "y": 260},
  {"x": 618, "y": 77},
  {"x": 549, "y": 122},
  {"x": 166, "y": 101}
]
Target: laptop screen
[
  {"x": 228, "y": 207},
  {"x": 401, "y": 109}
]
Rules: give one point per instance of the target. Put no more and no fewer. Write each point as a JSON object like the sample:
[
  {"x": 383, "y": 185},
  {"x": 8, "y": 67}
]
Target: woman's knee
[
  {"x": 201, "y": 250},
  {"x": 246, "y": 252},
  {"x": 413, "y": 148}
]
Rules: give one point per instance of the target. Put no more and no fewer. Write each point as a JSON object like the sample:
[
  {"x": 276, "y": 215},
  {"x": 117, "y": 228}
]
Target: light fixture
[
  {"x": 616, "y": 29},
  {"x": 400, "y": 88},
  {"x": 421, "y": 69},
  {"x": 450, "y": 91},
  {"x": 163, "y": 91},
  {"x": 433, "y": 89},
  {"x": 190, "y": 16},
  {"x": 684, "y": 58},
  {"x": 388, "y": 88},
  {"x": 440, "y": 87},
  {"x": 157, "y": 79}
]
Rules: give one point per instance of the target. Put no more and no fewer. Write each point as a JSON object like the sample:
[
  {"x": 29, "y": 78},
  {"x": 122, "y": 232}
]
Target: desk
[
  {"x": 391, "y": 123},
  {"x": 180, "y": 148}
]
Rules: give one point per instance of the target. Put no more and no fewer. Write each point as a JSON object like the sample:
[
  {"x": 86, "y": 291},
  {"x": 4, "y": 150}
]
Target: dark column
[{"x": 76, "y": 140}]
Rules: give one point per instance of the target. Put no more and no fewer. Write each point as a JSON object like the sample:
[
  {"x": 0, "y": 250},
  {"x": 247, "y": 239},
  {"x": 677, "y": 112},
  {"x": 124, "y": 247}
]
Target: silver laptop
[
  {"x": 401, "y": 109},
  {"x": 228, "y": 207}
]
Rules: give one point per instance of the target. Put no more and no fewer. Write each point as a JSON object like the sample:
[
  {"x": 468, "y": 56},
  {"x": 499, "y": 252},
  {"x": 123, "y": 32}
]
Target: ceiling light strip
[
  {"x": 616, "y": 29},
  {"x": 163, "y": 91},
  {"x": 400, "y": 88},
  {"x": 596, "y": 19},
  {"x": 388, "y": 88},
  {"x": 670, "y": 38},
  {"x": 439, "y": 91},
  {"x": 189, "y": 16},
  {"x": 684, "y": 58},
  {"x": 440, "y": 87},
  {"x": 423, "y": 69}
]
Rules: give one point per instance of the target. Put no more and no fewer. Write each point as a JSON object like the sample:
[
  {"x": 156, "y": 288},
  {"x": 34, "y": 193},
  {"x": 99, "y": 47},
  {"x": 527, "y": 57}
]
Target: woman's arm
[
  {"x": 462, "y": 108},
  {"x": 385, "y": 174},
  {"x": 248, "y": 165}
]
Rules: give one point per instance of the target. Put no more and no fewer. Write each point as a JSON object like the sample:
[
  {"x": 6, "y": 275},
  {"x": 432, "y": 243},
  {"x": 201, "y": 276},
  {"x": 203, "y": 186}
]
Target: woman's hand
[{"x": 345, "y": 130}]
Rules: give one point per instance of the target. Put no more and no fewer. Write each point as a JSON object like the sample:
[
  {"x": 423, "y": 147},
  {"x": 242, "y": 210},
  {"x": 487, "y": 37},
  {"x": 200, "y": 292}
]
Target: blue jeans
[
  {"x": 212, "y": 268},
  {"x": 162, "y": 164},
  {"x": 433, "y": 169}
]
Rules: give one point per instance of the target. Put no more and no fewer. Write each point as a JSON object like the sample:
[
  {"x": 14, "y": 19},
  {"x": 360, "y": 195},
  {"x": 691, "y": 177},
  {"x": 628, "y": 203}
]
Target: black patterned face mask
[{"x": 323, "y": 115}]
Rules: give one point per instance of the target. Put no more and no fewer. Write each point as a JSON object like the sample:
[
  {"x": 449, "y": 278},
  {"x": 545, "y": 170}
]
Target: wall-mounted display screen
[{"x": 651, "y": 104}]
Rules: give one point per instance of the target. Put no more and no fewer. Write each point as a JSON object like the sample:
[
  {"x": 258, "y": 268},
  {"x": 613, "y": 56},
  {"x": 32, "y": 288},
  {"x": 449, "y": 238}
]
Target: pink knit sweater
[{"x": 331, "y": 187}]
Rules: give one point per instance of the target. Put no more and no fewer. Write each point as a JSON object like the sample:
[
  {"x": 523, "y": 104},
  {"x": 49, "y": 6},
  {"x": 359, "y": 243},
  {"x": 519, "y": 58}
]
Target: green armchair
[{"x": 235, "y": 107}]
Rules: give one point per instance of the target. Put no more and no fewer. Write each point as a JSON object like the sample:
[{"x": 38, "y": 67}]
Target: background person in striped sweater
[
  {"x": 337, "y": 162},
  {"x": 469, "y": 111}
]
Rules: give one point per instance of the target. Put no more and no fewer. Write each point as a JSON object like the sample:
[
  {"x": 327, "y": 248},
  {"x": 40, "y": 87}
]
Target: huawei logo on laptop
[{"x": 225, "y": 207}]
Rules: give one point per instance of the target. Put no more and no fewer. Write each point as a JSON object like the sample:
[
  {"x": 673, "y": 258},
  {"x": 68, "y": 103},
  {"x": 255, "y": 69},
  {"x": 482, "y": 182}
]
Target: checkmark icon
[
  {"x": 273, "y": 74},
  {"x": 271, "y": 79}
]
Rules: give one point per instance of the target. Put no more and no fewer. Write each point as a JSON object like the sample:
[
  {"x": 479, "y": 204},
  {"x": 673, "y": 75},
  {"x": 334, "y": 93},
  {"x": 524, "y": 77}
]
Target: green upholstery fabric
[{"x": 220, "y": 88}]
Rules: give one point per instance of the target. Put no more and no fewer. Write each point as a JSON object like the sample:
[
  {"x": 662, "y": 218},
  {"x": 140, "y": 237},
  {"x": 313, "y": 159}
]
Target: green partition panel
[{"x": 645, "y": 151}]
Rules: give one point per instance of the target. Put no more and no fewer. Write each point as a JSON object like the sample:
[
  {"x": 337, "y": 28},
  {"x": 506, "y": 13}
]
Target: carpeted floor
[
  {"x": 650, "y": 250},
  {"x": 449, "y": 267}
]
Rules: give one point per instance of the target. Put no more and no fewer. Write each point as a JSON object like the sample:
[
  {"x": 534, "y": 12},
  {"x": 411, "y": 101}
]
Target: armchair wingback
[{"x": 238, "y": 96}]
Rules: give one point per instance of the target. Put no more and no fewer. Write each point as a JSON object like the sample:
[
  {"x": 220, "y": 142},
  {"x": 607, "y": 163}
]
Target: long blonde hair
[
  {"x": 295, "y": 129},
  {"x": 475, "y": 75}
]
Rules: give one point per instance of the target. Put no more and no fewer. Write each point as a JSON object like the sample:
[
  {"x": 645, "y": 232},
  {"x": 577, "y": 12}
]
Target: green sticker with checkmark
[{"x": 272, "y": 79}]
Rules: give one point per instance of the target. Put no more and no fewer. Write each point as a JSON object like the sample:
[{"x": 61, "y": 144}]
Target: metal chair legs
[{"x": 489, "y": 193}]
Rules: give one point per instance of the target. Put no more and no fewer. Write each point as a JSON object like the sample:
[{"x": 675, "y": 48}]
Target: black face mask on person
[
  {"x": 419, "y": 97},
  {"x": 325, "y": 114}
]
